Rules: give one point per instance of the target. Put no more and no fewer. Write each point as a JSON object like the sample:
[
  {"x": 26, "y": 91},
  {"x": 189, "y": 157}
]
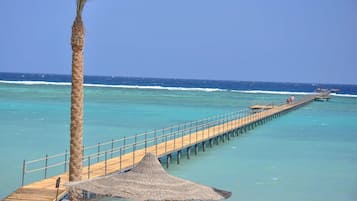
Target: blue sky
[{"x": 256, "y": 40}]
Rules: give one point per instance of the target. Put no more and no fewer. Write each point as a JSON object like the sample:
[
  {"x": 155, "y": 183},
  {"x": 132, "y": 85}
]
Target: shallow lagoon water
[
  {"x": 308, "y": 154},
  {"x": 304, "y": 155}
]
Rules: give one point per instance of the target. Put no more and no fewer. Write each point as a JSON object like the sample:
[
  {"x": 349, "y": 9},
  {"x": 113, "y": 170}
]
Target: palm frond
[{"x": 80, "y": 6}]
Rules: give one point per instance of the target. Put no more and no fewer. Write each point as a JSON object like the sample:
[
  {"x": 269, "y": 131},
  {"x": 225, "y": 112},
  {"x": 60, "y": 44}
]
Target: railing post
[
  {"x": 163, "y": 134},
  {"x": 65, "y": 160},
  {"x": 196, "y": 133},
  {"x": 120, "y": 152},
  {"x": 165, "y": 143},
  {"x": 174, "y": 138},
  {"x": 233, "y": 118},
  {"x": 237, "y": 118},
  {"x": 208, "y": 128},
  {"x": 245, "y": 117},
  {"x": 182, "y": 133},
  {"x": 88, "y": 167},
  {"x": 225, "y": 125},
  {"x": 98, "y": 152},
  {"x": 23, "y": 172},
  {"x": 219, "y": 126},
  {"x": 112, "y": 148},
  {"x": 214, "y": 127},
  {"x": 46, "y": 163},
  {"x": 155, "y": 143},
  {"x": 146, "y": 141},
  {"x": 230, "y": 122},
  {"x": 124, "y": 144},
  {"x": 203, "y": 133},
  {"x": 190, "y": 135},
  {"x": 134, "y": 146},
  {"x": 105, "y": 168}
]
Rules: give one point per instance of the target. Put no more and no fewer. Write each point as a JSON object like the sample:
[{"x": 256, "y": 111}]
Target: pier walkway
[{"x": 121, "y": 155}]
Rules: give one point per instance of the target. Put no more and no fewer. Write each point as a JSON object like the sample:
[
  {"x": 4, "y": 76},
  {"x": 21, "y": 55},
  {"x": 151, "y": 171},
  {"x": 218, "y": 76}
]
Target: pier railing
[{"x": 51, "y": 165}]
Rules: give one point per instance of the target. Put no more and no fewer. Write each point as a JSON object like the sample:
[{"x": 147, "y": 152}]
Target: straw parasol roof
[{"x": 148, "y": 181}]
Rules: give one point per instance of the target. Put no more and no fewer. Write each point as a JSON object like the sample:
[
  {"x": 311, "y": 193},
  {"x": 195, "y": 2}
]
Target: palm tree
[{"x": 77, "y": 42}]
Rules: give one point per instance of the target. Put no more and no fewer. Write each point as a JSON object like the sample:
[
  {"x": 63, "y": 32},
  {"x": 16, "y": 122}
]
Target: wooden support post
[
  {"x": 196, "y": 149},
  {"x": 188, "y": 150},
  {"x": 210, "y": 142},
  {"x": 203, "y": 146},
  {"x": 168, "y": 159},
  {"x": 178, "y": 157}
]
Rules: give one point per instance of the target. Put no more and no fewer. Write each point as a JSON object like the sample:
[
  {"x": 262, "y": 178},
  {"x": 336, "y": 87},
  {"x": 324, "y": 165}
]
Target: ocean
[{"x": 307, "y": 154}]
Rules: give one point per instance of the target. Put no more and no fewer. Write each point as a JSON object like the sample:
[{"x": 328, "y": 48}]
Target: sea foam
[
  {"x": 35, "y": 83},
  {"x": 170, "y": 88},
  {"x": 113, "y": 86},
  {"x": 344, "y": 95}
]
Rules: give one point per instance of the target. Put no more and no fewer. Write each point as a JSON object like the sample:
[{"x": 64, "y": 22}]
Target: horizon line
[{"x": 193, "y": 79}]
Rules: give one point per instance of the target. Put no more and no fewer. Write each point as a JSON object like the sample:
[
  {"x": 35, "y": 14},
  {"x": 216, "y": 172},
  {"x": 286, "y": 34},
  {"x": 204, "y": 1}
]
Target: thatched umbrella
[{"x": 148, "y": 181}]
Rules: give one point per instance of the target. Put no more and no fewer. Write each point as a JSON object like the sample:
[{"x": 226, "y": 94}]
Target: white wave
[
  {"x": 113, "y": 86},
  {"x": 344, "y": 95},
  {"x": 155, "y": 87},
  {"x": 35, "y": 83},
  {"x": 169, "y": 88},
  {"x": 274, "y": 92}
]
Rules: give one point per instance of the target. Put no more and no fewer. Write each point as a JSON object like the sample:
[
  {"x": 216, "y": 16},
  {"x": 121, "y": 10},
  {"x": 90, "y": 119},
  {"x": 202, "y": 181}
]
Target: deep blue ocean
[
  {"x": 307, "y": 154},
  {"x": 181, "y": 83}
]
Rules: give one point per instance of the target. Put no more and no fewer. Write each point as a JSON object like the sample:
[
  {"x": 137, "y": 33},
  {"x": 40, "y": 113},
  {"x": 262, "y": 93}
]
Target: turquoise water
[{"x": 308, "y": 154}]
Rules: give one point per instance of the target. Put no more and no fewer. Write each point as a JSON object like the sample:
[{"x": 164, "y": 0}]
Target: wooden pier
[{"x": 165, "y": 147}]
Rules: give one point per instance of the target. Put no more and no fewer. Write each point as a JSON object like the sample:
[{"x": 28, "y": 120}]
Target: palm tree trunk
[{"x": 76, "y": 147}]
